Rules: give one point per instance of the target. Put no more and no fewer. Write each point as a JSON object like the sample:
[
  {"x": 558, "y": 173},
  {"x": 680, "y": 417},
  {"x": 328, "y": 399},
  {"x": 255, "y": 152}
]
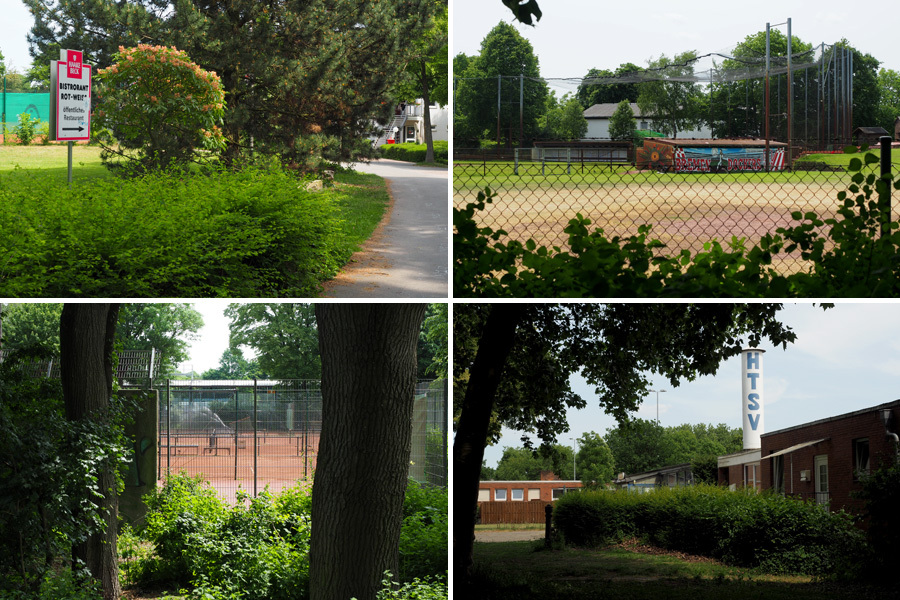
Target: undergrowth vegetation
[
  {"x": 258, "y": 549},
  {"x": 855, "y": 254},
  {"x": 766, "y": 531},
  {"x": 411, "y": 152},
  {"x": 250, "y": 233}
]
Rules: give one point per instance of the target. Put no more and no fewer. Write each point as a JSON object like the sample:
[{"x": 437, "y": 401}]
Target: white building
[
  {"x": 598, "y": 122},
  {"x": 408, "y": 124}
]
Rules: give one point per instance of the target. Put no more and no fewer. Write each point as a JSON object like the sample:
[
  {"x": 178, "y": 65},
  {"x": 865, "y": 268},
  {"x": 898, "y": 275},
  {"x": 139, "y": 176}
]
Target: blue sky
[{"x": 845, "y": 359}]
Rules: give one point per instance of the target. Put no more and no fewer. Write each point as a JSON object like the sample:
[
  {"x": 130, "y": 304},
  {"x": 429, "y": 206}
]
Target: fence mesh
[
  {"x": 17, "y": 103},
  {"x": 537, "y": 197},
  {"x": 211, "y": 428}
]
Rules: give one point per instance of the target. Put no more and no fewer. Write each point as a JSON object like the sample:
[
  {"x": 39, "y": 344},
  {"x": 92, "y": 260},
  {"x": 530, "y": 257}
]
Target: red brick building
[
  {"x": 548, "y": 489},
  {"x": 822, "y": 460}
]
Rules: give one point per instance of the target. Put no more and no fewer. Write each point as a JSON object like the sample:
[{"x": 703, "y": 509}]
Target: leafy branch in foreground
[{"x": 858, "y": 254}]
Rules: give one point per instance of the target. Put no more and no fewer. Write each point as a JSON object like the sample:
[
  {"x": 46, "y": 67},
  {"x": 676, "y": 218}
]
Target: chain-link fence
[
  {"x": 537, "y": 193},
  {"x": 253, "y": 434}
]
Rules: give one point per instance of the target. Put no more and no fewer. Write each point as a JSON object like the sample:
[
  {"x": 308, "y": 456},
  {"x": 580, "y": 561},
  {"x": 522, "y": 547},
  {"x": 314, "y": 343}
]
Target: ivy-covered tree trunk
[
  {"x": 368, "y": 382},
  {"x": 474, "y": 422},
  {"x": 86, "y": 336}
]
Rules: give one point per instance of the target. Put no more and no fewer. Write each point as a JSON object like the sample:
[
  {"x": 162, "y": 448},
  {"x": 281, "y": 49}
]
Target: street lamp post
[
  {"x": 657, "y": 403},
  {"x": 574, "y": 445}
]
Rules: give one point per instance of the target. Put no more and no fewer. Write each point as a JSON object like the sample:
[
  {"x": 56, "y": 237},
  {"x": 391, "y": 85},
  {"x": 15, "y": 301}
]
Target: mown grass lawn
[
  {"x": 254, "y": 233},
  {"x": 525, "y": 571}
]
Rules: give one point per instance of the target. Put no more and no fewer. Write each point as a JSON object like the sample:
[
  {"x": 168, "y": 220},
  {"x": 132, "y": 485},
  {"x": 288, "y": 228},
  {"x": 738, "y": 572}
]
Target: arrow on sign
[{"x": 79, "y": 128}]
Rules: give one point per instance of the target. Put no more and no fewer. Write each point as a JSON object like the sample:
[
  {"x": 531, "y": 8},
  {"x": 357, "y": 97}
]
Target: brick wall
[
  {"x": 841, "y": 432},
  {"x": 531, "y": 490}
]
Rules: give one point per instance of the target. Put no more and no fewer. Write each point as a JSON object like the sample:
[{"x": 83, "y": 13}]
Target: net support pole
[
  {"x": 767, "y": 97},
  {"x": 516, "y": 161},
  {"x": 521, "y": 110},
  {"x": 255, "y": 440},
  {"x": 790, "y": 98},
  {"x": 168, "y": 429},
  {"x": 235, "y": 434}
]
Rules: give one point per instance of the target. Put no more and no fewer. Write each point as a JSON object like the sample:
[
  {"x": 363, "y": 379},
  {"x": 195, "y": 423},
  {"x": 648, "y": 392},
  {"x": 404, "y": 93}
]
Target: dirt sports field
[
  {"x": 685, "y": 210},
  {"x": 281, "y": 461}
]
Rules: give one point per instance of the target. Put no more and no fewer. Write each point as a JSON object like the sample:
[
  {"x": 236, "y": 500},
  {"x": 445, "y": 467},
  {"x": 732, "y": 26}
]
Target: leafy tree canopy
[
  {"x": 31, "y": 325},
  {"x": 233, "y": 365},
  {"x": 301, "y": 78},
  {"x": 621, "y": 123},
  {"x": 167, "y": 328},
  {"x": 596, "y": 464},
  {"x": 507, "y": 55},
  {"x": 284, "y": 337},
  {"x": 524, "y": 464},
  {"x": 590, "y": 94},
  {"x": 675, "y": 105}
]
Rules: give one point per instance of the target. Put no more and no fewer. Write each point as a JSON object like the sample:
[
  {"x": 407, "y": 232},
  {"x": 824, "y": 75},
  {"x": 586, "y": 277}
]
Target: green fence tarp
[{"x": 37, "y": 105}]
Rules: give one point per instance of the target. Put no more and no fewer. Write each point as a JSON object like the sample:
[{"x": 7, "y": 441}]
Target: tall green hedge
[
  {"x": 415, "y": 152},
  {"x": 766, "y": 531}
]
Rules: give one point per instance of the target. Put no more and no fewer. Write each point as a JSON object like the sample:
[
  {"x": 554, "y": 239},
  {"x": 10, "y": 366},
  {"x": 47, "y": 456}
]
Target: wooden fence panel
[{"x": 512, "y": 512}]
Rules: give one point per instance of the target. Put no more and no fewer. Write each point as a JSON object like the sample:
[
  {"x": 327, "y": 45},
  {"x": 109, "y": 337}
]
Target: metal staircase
[{"x": 398, "y": 121}]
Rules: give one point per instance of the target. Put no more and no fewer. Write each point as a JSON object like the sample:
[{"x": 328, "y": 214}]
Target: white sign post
[{"x": 70, "y": 102}]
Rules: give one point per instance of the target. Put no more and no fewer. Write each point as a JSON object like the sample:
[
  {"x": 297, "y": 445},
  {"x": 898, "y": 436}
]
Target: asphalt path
[{"x": 407, "y": 255}]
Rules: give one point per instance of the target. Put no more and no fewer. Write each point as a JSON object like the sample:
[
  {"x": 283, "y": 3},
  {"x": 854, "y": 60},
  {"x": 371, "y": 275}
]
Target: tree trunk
[
  {"x": 495, "y": 344},
  {"x": 426, "y": 113},
  {"x": 86, "y": 337},
  {"x": 368, "y": 382}
]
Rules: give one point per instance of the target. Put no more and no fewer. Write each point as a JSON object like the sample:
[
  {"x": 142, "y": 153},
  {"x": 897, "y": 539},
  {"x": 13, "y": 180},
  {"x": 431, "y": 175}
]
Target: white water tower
[{"x": 752, "y": 397}]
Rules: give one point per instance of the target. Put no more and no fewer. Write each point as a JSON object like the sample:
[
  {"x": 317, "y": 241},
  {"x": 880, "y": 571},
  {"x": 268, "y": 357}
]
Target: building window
[
  {"x": 534, "y": 493},
  {"x": 558, "y": 493},
  {"x": 751, "y": 476},
  {"x": 518, "y": 494},
  {"x": 484, "y": 495},
  {"x": 500, "y": 495},
  {"x": 860, "y": 458},
  {"x": 778, "y": 474}
]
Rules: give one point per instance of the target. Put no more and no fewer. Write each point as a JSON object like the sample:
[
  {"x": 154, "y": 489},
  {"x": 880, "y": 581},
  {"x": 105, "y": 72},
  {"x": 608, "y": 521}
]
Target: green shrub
[
  {"x": 417, "y": 589},
  {"x": 255, "y": 550},
  {"x": 48, "y": 478},
  {"x": 881, "y": 493},
  {"x": 251, "y": 233},
  {"x": 159, "y": 105},
  {"x": 423, "y": 536},
  {"x": 415, "y": 152},
  {"x": 26, "y": 129},
  {"x": 744, "y": 528}
]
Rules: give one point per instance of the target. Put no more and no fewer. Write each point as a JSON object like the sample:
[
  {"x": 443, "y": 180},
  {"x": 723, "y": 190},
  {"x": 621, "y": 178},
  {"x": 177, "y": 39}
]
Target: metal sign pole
[{"x": 70, "y": 162}]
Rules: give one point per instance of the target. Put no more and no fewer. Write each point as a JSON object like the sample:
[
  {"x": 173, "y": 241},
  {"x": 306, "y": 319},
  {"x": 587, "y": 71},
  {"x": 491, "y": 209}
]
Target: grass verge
[{"x": 524, "y": 571}]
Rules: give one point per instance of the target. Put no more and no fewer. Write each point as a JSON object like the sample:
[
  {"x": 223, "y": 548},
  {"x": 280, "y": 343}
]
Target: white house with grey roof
[{"x": 598, "y": 122}]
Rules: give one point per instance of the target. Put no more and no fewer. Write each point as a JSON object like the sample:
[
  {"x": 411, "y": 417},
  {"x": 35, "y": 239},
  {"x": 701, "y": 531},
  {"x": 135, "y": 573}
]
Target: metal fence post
[
  {"x": 884, "y": 196},
  {"x": 168, "y": 429},
  {"x": 255, "y": 440}
]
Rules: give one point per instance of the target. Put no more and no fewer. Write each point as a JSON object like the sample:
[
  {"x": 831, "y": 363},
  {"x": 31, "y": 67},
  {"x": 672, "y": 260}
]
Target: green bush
[
  {"x": 48, "y": 482},
  {"x": 850, "y": 259},
  {"x": 415, "y": 152},
  {"x": 881, "y": 493},
  {"x": 251, "y": 233},
  {"x": 417, "y": 589},
  {"x": 255, "y": 550},
  {"x": 160, "y": 106},
  {"x": 26, "y": 129},
  {"x": 259, "y": 548},
  {"x": 423, "y": 536},
  {"x": 744, "y": 528}
]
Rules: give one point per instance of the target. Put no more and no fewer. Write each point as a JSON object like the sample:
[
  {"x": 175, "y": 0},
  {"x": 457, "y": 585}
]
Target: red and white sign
[{"x": 73, "y": 97}]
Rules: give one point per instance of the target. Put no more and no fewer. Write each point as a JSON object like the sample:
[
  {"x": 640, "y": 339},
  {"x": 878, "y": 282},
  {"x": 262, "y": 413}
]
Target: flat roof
[
  {"x": 714, "y": 143},
  {"x": 894, "y": 404}
]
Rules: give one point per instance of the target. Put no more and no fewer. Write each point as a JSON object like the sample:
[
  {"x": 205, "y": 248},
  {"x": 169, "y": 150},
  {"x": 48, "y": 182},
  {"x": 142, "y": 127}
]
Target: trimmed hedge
[
  {"x": 744, "y": 528},
  {"x": 415, "y": 152}
]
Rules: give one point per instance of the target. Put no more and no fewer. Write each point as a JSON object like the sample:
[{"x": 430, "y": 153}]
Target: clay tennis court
[{"x": 282, "y": 459}]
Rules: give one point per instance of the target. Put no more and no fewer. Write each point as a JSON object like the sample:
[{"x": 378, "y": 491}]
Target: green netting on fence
[{"x": 16, "y": 103}]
